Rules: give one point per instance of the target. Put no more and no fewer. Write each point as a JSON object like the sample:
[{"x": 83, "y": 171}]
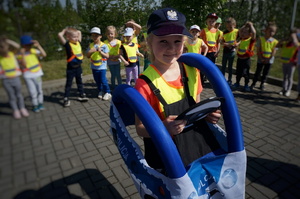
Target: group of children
[
  {"x": 15, "y": 61},
  {"x": 241, "y": 42}
]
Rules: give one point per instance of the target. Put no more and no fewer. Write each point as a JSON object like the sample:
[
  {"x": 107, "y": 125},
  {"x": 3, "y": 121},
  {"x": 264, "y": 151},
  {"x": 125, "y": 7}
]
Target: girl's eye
[
  {"x": 177, "y": 41},
  {"x": 163, "y": 41}
]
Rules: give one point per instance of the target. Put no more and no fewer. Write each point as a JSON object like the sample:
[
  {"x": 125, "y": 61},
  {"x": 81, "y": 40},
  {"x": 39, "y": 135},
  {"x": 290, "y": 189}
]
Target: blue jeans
[
  {"x": 228, "y": 57},
  {"x": 101, "y": 80},
  {"x": 115, "y": 71}
]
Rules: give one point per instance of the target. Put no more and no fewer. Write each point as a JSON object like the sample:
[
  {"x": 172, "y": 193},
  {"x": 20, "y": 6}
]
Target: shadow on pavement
[
  {"x": 88, "y": 182},
  {"x": 282, "y": 178}
]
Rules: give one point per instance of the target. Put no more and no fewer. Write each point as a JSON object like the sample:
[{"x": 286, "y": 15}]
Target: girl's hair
[
  {"x": 271, "y": 24},
  {"x": 111, "y": 28},
  {"x": 71, "y": 30},
  {"x": 230, "y": 20}
]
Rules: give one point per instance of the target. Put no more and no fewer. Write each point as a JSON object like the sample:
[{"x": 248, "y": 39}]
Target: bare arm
[
  {"x": 13, "y": 44},
  {"x": 39, "y": 47},
  {"x": 205, "y": 47},
  {"x": 79, "y": 35},
  {"x": 61, "y": 36},
  {"x": 136, "y": 26}
]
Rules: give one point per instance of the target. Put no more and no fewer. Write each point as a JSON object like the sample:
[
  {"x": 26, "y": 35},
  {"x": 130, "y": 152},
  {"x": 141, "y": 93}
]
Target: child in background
[
  {"x": 296, "y": 38},
  {"x": 247, "y": 34},
  {"x": 74, "y": 59},
  {"x": 113, "y": 61},
  {"x": 129, "y": 52},
  {"x": 98, "y": 52},
  {"x": 288, "y": 59},
  {"x": 266, "y": 50},
  {"x": 32, "y": 70},
  {"x": 229, "y": 41},
  {"x": 145, "y": 51},
  {"x": 195, "y": 44},
  {"x": 166, "y": 44},
  {"x": 212, "y": 37},
  {"x": 10, "y": 74}
]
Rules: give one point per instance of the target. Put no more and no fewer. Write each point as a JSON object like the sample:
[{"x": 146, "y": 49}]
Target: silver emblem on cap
[{"x": 172, "y": 15}]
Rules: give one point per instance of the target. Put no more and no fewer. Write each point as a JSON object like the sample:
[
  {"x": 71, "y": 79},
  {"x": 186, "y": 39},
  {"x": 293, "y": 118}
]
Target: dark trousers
[
  {"x": 71, "y": 73},
  {"x": 261, "y": 67},
  {"x": 243, "y": 70},
  {"x": 228, "y": 58}
]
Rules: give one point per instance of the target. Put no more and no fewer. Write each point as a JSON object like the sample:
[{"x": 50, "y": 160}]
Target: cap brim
[
  {"x": 171, "y": 30},
  {"x": 95, "y": 33}
]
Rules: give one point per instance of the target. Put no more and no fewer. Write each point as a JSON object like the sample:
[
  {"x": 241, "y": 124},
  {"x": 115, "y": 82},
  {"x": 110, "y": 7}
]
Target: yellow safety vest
[
  {"x": 114, "y": 50},
  {"x": 212, "y": 37},
  {"x": 76, "y": 51},
  {"x": 131, "y": 52},
  {"x": 32, "y": 62},
  {"x": 194, "y": 48},
  {"x": 10, "y": 67},
  {"x": 287, "y": 52},
  {"x": 169, "y": 93},
  {"x": 245, "y": 47},
  {"x": 230, "y": 37},
  {"x": 267, "y": 46},
  {"x": 96, "y": 57}
]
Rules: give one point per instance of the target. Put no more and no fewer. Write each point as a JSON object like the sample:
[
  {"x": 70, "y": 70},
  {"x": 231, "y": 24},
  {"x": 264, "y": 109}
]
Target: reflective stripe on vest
[
  {"x": 96, "y": 57},
  {"x": 115, "y": 49},
  {"x": 267, "y": 46},
  {"x": 287, "y": 53},
  {"x": 10, "y": 66},
  {"x": 31, "y": 61},
  {"x": 76, "y": 51},
  {"x": 194, "y": 48},
  {"x": 211, "y": 37},
  {"x": 230, "y": 37},
  {"x": 131, "y": 52},
  {"x": 176, "y": 92}
]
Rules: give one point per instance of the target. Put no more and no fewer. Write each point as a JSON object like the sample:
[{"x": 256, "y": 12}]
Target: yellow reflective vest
[
  {"x": 115, "y": 49},
  {"x": 96, "y": 57},
  {"x": 287, "y": 52},
  {"x": 170, "y": 93},
  {"x": 194, "y": 48},
  {"x": 211, "y": 37},
  {"x": 267, "y": 46},
  {"x": 76, "y": 51},
  {"x": 246, "y": 48},
  {"x": 32, "y": 62},
  {"x": 230, "y": 37},
  {"x": 9, "y": 65},
  {"x": 131, "y": 52}
]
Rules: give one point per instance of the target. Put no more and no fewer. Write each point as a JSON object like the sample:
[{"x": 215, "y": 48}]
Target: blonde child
[
  {"x": 166, "y": 43},
  {"x": 113, "y": 61},
  {"x": 266, "y": 50},
  {"x": 247, "y": 34},
  {"x": 70, "y": 38},
  {"x": 98, "y": 52},
  {"x": 195, "y": 44},
  {"x": 32, "y": 71},
  {"x": 10, "y": 74},
  {"x": 229, "y": 41},
  {"x": 288, "y": 58},
  {"x": 130, "y": 53}
]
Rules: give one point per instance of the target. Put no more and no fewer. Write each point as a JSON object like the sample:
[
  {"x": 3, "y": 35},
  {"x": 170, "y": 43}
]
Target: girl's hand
[
  {"x": 126, "y": 63},
  {"x": 173, "y": 126},
  {"x": 214, "y": 117}
]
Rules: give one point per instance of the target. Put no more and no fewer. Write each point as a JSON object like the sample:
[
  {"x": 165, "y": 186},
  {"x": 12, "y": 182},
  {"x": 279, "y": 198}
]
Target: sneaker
[
  {"x": 36, "y": 109},
  {"x": 106, "y": 96},
  {"x": 24, "y": 112},
  {"x": 247, "y": 88},
  {"x": 281, "y": 93},
  {"x": 17, "y": 114},
  {"x": 83, "y": 98},
  {"x": 41, "y": 107},
  {"x": 287, "y": 94},
  {"x": 235, "y": 86},
  {"x": 100, "y": 95},
  {"x": 229, "y": 83},
  {"x": 66, "y": 102},
  {"x": 262, "y": 87},
  {"x": 251, "y": 88}
]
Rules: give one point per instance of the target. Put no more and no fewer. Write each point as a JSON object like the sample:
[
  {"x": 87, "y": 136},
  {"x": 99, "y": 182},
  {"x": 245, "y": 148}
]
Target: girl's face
[
  {"x": 73, "y": 37},
  {"x": 270, "y": 31},
  {"x": 110, "y": 35},
  {"x": 95, "y": 37},
  {"x": 229, "y": 26},
  {"x": 211, "y": 22},
  {"x": 167, "y": 49},
  {"x": 128, "y": 39},
  {"x": 195, "y": 33}
]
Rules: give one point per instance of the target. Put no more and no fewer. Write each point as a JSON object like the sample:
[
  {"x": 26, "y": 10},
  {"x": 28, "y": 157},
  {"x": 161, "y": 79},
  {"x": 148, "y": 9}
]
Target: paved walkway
[{"x": 69, "y": 153}]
